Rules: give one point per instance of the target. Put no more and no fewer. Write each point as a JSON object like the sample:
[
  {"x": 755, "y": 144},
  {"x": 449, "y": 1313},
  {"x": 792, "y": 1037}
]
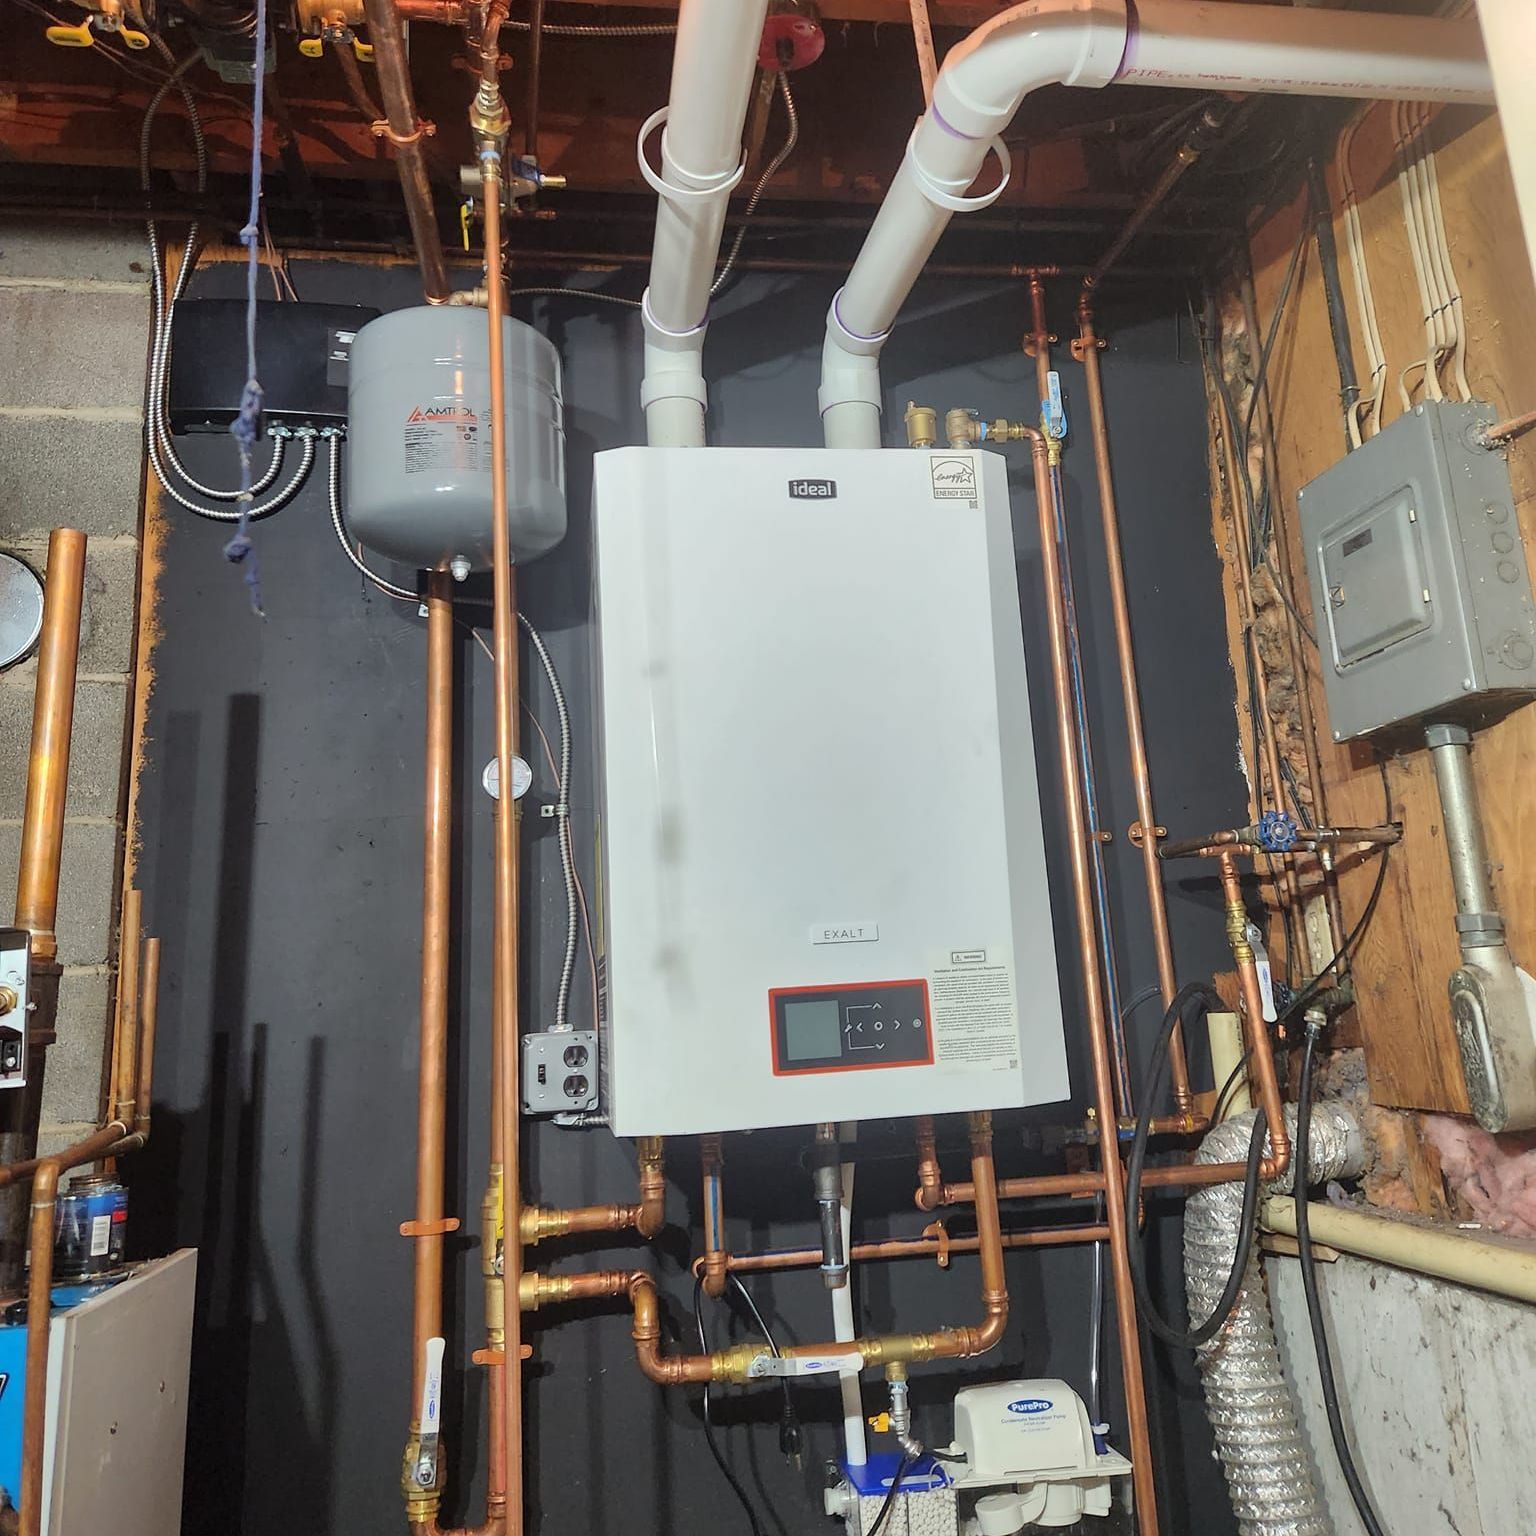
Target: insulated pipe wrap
[{"x": 1248, "y": 1401}]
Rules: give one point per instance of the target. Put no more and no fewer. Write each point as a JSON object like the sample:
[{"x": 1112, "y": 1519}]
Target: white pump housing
[{"x": 1035, "y": 1439}]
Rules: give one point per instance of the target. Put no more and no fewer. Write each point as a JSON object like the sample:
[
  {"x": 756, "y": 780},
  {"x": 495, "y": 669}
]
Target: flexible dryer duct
[{"x": 1247, "y": 1398}]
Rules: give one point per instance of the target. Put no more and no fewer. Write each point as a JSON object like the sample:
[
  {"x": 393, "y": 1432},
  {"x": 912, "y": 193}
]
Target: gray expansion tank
[{"x": 419, "y": 438}]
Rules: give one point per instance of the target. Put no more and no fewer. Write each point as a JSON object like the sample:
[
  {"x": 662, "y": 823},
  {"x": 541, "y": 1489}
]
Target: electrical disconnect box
[
  {"x": 15, "y": 972},
  {"x": 824, "y": 891},
  {"x": 1419, "y": 580}
]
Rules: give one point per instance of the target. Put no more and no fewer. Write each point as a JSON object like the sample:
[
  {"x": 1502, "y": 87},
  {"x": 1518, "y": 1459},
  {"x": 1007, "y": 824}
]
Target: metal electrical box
[
  {"x": 1419, "y": 578},
  {"x": 824, "y": 891}
]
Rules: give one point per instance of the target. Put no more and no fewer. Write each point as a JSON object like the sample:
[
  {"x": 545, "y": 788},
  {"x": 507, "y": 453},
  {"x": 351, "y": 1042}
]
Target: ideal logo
[
  {"x": 812, "y": 490},
  {"x": 458, "y": 415},
  {"x": 1030, "y": 1405}
]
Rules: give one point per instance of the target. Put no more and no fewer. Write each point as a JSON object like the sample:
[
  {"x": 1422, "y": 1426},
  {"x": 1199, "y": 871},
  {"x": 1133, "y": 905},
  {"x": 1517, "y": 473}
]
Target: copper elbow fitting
[
  {"x": 652, "y": 1214},
  {"x": 930, "y": 1185}
]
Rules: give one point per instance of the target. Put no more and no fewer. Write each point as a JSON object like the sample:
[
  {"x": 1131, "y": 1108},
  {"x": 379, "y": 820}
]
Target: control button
[{"x": 917, "y": 1023}]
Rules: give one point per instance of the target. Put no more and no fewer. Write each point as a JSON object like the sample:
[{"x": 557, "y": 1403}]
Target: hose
[
  {"x": 338, "y": 522},
  {"x": 563, "y": 826},
  {"x": 1221, "y": 1306},
  {"x": 1336, "y": 1429},
  {"x": 1248, "y": 1400}
]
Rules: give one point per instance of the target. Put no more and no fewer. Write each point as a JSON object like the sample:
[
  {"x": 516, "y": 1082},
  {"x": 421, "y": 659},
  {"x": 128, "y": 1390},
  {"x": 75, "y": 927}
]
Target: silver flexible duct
[{"x": 1248, "y": 1401}]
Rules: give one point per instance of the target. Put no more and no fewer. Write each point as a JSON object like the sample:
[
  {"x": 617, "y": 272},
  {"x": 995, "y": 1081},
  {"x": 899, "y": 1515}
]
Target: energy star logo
[
  {"x": 812, "y": 490},
  {"x": 1030, "y": 1405}
]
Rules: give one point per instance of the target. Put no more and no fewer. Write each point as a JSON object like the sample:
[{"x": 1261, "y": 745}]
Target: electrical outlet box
[
  {"x": 559, "y": 1071},
  {"x": 1420, "y": 587},
  {"x": 824, "y": 892}
]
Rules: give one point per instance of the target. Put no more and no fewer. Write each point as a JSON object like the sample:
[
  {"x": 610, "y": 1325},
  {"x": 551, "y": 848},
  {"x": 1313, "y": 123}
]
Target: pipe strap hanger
[
  {"x": 703, "y": 188},
  {"x": 949, "y": 193}
]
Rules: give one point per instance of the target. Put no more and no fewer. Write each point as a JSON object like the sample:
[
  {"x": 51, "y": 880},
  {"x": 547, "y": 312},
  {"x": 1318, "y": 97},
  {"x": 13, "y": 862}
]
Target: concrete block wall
[{"x": 74, "y": 341}]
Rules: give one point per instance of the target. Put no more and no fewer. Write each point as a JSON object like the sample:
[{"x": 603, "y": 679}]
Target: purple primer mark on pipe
[
  {"x": 1132, "y": 35},
  {"x": 949, "y": 128},
  {"x": 837, "y": 309}
]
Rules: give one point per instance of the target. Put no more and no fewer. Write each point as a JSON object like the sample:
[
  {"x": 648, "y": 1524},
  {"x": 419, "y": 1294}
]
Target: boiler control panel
[{"x": 852, "y": 1027}]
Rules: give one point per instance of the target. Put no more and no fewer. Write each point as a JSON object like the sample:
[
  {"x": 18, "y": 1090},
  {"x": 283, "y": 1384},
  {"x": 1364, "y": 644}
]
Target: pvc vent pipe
[
  {"x": 1247, "y": 1398},
  {"x": 1183, "y": 43},
  {"x": 713, "y": 66}
]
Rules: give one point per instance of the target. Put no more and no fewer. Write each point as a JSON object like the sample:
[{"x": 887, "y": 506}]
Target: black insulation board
[{"x": 281, "y": 862}]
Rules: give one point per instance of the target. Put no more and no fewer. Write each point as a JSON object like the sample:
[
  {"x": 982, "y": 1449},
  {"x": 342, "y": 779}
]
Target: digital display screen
[{"x": 813, "y": 1031}]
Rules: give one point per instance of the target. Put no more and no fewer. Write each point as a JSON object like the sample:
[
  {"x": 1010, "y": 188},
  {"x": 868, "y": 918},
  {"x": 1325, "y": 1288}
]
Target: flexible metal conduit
[
  {"x": 1248, "y": 1400},
  {"x": 1182, "y": 43}
]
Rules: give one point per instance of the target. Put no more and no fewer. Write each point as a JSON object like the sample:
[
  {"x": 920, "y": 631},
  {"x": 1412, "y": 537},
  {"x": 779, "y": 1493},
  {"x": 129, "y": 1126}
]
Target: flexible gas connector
[{"x": 901, "y": 1410}]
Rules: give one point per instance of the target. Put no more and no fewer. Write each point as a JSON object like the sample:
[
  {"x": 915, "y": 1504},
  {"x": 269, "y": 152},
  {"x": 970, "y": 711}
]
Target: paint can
[{"x": 91, "y": 1227}]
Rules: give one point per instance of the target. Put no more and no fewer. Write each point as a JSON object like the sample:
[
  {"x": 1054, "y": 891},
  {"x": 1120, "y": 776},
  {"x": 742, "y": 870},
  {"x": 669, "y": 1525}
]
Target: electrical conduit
[{"x": 1179, "y": 43}]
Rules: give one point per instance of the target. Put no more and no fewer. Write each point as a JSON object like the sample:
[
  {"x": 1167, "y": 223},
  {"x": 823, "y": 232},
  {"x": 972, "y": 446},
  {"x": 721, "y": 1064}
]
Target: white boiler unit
[{"x": 824, "y": 892}]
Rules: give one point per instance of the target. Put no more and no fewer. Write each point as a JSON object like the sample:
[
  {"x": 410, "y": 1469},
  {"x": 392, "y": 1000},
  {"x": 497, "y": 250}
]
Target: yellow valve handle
[
  {"x": 364, "y": 51},
  {"x": 312, "y": 47},
  {"x": 133, "y": 37},
  {"x": 464, "y": 212},
  {"x": 880, "y": 1423},
  {"x": 62, "y": 36}
]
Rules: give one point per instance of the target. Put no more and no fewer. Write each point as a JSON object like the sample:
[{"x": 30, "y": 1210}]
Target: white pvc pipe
[
  {"x": 1227, "y": 46},
  {"x": 844, "y": 1328},
  {"x": 713, "y": 65}
]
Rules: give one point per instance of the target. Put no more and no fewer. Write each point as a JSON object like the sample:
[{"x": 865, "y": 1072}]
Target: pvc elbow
[
  {"x": 850, "y": 396},
  {"x": 672, "y": 391}
]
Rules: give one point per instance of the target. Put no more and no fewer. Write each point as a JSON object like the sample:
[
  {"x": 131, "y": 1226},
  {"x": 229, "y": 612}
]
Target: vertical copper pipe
[
  {"x": 712, "y": 1163},
  {"x": 432, "y": 1067},
  {"x": 45, "y": 1189},
  {"x": 1093, "y": 993},
  {"x": 1040, "y": 339},
  {"x": 405, "y": 132},
  {"x": 504, "y": 979},
  {"x": 125, "y": 1044},
  {"x": 53, "y": 713},
  {"x": 1261, "y": 1060},
  {"x": 1162, "y": 943},
  {"x": 149, "y": 1014}
]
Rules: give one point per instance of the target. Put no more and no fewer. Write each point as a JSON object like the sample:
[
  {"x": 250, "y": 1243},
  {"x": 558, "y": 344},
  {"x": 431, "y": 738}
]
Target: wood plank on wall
[{"x": 1410, "y": 949}]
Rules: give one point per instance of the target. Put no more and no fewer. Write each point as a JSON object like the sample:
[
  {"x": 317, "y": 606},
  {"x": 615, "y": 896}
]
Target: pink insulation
[{"x": 1494, "y": 1177}]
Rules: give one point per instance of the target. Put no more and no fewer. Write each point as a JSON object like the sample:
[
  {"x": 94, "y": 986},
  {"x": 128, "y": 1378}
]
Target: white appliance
[{"x": 824, "y": 892}]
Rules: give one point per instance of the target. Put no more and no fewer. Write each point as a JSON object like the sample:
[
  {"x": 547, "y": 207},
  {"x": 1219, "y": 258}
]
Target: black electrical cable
[
  {"x": 1336, "y": 1429},
  {"x": 890, "y": 1498},
  {"x": 1207, "y": 997},
  {"x": 709, "y": 1428},
  {"x": 1219, "y": 1108},
  {"x": 791, "y": 1436}
]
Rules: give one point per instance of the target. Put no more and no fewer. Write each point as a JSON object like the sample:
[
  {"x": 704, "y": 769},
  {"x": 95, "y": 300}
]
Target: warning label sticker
[
  {"x": 445, "y": 437},
  {"x": 975, "y": 1011}
]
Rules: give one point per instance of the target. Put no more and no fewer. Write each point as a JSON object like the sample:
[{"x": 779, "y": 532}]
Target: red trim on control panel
[{"x": 774, "y": 993}]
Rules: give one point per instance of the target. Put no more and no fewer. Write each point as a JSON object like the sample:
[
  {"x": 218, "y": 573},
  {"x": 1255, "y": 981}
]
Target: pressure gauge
[{"x": 522, "y": 777}]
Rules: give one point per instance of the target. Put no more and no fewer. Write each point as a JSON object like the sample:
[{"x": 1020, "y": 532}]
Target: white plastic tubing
[
  {"x": 701, "y": 164},
  {"x": 1202, "y": 44}
]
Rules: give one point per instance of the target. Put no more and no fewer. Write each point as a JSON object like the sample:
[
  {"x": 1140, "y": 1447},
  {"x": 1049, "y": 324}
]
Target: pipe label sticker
[
  {"x": 443, "y": 437},
  {"x": 975, "y": 1010}
]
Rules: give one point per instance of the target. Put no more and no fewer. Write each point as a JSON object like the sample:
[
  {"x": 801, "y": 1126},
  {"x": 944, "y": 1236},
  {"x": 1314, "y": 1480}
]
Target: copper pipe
[
  {"x": 125, "y": 1044},
  {"x": 53, "y": 712},
  {"x": 427, "y": 1228},
  {"x": 912, "y": 1248},
  {"x": 149, "y": 1014},
  {"x": 1261, "y": 1060},
  {"x": 712, "y": 1162},
  {"x": 1098, "y": 1028},
  {"x": 647, "y": 1216},
  {"x": 1508, "y": 431},
  {"x": 736, "y": 1364},
  {"x": 930, "y": 1179},
  {"x": 1039, "y": 343},
  {"x": 504, "y": 973},
  {"x": 536, "y": 1290},
  {"x": 1130, "y": 690},
  {"x": 111, "y": 1138},
  {"x": 405, "y": 132}
]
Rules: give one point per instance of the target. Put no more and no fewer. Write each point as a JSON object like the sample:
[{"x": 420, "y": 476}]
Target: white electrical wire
[
  {"x": 1367, "y": 410},
  {"x": 1416, "y": 117},
  {"x": 1455, "y": 311},
  {"x": 1407, "y": 184}
]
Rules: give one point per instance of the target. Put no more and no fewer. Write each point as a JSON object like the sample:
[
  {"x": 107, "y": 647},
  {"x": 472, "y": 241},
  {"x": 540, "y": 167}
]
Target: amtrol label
[{"x": 850, "y": 1027}]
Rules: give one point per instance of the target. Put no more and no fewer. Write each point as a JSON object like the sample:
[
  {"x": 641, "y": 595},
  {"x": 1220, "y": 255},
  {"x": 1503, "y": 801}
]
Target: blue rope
[{"x": 246, "y": 427}]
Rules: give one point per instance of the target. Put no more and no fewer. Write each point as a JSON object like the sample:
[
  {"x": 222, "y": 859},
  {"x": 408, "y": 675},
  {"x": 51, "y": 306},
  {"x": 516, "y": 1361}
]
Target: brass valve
[{"x": 922, "y": 426}]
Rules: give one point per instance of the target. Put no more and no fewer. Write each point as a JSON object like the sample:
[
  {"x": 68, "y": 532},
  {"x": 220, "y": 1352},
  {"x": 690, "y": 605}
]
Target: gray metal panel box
[{"x": 1418, "y": 572}]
